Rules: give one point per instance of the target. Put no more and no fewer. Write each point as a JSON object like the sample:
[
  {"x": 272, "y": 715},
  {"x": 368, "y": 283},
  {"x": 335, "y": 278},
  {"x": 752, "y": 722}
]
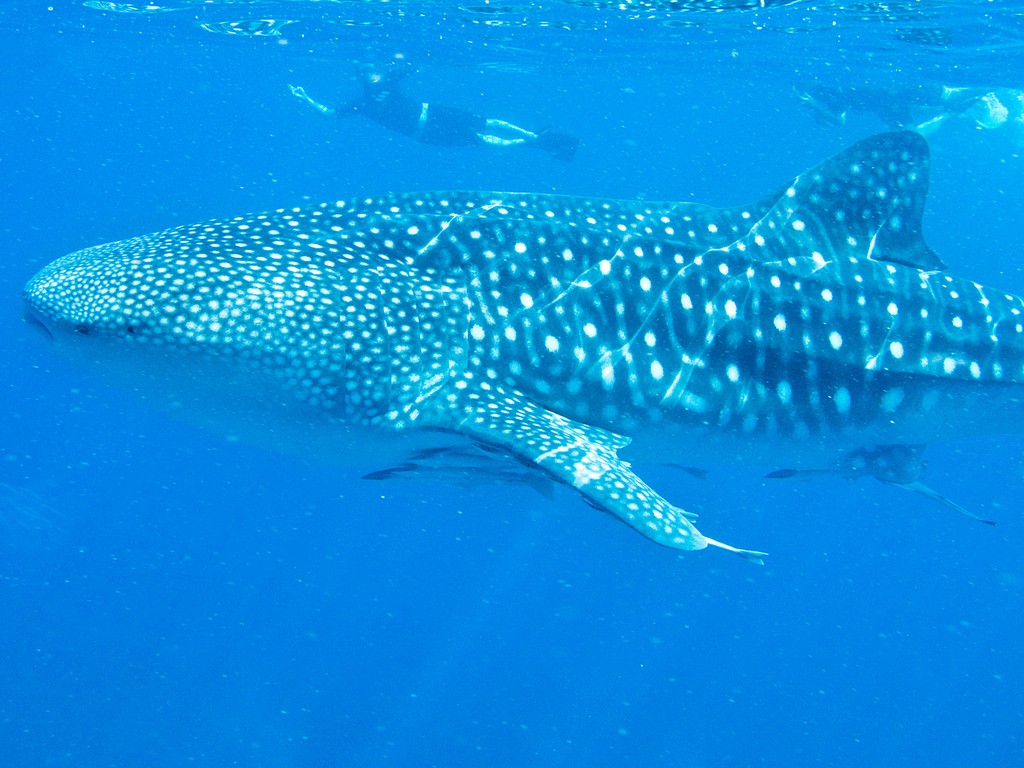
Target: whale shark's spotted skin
[{"x": 562, "y": 329}]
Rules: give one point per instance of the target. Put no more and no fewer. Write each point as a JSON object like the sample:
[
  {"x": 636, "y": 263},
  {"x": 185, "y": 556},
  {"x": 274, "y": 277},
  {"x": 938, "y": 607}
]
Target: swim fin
[{"x": 561, "y": 146}]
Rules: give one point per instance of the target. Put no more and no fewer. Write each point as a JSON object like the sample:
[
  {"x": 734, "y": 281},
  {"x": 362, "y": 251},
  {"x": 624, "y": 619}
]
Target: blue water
[{"x": 170, "y": 599}]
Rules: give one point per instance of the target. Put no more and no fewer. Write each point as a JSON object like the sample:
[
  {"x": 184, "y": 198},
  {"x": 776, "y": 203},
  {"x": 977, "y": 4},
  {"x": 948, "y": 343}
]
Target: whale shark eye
[{"x": 81, "y": 330}]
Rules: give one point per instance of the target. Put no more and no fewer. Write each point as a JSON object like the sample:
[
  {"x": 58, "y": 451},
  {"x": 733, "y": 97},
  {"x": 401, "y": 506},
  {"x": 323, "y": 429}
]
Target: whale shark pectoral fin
[
  {"x": 578, "y": 455},
  {"x": 583, "y": 457}
]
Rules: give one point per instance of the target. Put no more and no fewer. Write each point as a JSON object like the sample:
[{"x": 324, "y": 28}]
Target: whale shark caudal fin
[{"x": 583, "y": 457}]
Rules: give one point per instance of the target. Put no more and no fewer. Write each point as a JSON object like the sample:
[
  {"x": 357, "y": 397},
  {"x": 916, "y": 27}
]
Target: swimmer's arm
[{"x": 300, "y": 93}]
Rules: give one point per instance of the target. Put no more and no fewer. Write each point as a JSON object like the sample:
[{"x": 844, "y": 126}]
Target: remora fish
[{"x": 799, "y": 331}]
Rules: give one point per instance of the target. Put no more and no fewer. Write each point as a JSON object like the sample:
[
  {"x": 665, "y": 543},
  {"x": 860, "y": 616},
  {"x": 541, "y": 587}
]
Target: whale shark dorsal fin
[
  {"x": 582, "y": 456},
  {"x": 865, "y": 202}
]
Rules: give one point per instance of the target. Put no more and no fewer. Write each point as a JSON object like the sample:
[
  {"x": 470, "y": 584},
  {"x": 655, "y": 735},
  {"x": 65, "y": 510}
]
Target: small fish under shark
[{"x": 812, "y": 330}]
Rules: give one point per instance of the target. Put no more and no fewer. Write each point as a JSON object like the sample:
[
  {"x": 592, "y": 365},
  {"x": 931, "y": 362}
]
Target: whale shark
[{"x": 813, "y": 330}]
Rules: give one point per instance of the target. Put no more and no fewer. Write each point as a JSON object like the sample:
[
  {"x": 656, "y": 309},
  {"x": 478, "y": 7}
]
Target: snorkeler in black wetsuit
[{"x": 384, "y": 103}]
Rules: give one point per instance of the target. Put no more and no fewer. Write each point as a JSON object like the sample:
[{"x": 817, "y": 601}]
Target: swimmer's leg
[
  {"x": 498, "y": 141},
  {"x": 501, "y": 131},
  {"x": 503, "y": 134},
  {"x": 513, "y": 131},
  {"x": 930, "y": 126},
  {"x": 300, "y": 93}
]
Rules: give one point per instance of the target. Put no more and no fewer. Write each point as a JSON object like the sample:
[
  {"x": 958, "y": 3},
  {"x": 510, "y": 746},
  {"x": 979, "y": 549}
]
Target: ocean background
[{"x": 168, "y": 598}]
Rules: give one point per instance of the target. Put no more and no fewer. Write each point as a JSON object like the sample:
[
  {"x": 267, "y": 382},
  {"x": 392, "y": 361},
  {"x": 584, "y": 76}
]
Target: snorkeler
[
  {"x": 984, "y": 109},
  {"x": 924, "y": 108},
  {"x": 384, "y": 103}
]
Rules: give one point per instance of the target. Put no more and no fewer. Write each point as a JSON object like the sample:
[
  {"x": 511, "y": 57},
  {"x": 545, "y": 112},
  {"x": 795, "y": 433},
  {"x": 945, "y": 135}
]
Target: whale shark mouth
[{"x": 37, "y": 323}]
